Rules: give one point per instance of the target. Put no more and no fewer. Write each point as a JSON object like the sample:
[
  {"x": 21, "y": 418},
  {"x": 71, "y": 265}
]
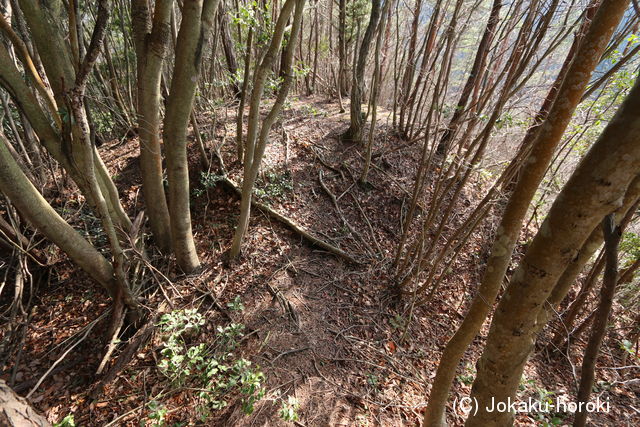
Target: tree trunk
[
  {"x": 256, "y": 144},
  {"x": 342, "y": 48},
  {"x": 229, "y": 50},
  {"x": 508, "y": 230},
  {"x": 587, "y": 251},
  {"x": 612, "y": 235},
  {"x": 197, "y": 16},
  {"x": 151, "y": 45},
  {"x": 243, "y": 96},
  {"x": 474, "y": 77},
  {"x": 355, "y": 130},
  {"x": 595, "y": 189},
  {"x": 375, "y": 92},
  {"x": 34, "y": 208},
  {"x": 16, "y": 411}
]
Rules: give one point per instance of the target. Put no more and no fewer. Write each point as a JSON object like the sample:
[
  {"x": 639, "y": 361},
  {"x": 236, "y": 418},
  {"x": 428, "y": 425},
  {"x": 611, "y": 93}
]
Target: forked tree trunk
[
  {"x": 355, "y": 130},
  {"x": 151, "y": 36},
  {"x": 197, "y": 16},
  {"x": 586, "y": 253},
  {"x": 595, "y": 189},
  {"x": 257, "y": 143},
  {"x": 544, "y": 146},
  {"x": 44, "y": 24}
]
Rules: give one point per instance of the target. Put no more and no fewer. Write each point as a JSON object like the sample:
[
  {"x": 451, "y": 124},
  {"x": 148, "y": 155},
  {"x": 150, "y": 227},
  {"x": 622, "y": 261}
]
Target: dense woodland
[{"x": 320, "y": 212}]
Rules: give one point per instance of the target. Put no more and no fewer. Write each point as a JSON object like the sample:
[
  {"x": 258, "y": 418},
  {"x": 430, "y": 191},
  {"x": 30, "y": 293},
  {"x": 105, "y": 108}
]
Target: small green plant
[
  {"x": 274, "y": 185},
  {"x": 207, "y": 180},
  {"x": 299, "y": 70},
  {"x": 210, "y": 368},
  {"x": 66, "y": 422},
  {"x": 397, "y": 322},
  {"x": 177, "y": 361},
  {"x": 312, "y": 111},
  {"x": 545, "y": 399},
  {"x": 468, "y": 376},
  {"x": 627, "y": 346},
  {"x": 372, "y": 380},
  {"x": 272, "y": 86},
  {"x": 236, "y": 304},
  {"x": 157, "y": 413},
  {"x": 289, "y": 409}
]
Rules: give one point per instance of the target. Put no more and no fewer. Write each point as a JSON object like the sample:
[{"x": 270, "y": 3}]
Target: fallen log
[{"x": 308, "y": 236}]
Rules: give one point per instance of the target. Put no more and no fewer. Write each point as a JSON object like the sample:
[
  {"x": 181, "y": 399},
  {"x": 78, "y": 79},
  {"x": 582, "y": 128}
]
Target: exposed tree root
[{"x": 138, "y": 340}]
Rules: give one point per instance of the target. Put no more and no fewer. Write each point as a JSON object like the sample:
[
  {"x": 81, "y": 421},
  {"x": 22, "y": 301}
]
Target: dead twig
[
  {"x": 138, "y": 340},
  {"x": 285, "y": 353},
  {"x": 315, "y": 241},
  {"x": 61, "y": 358},
  {"x": 334, "y": 200}
]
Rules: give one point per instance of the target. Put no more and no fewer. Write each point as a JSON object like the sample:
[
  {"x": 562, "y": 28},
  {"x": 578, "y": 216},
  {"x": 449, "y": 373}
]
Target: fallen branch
[
  {"x": 313, "y": 240},
  {"x": 334, "y": 200},
  {"x": 284, "y": 303}
]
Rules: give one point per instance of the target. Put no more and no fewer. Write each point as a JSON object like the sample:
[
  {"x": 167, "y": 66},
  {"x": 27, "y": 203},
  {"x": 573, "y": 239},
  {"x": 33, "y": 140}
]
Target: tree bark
[
  {"x": 474, "y": 77},
  {"x": 587, "y": 251},
  {"x": 229, "y": 50},
  {"x": 197, "y": 16},
  {"x": 151, "y": 42},
  {"x": 34, "y": 208},
  {"x": 543, "y": 147},
  {"x": 595, "y": 190},
  {"x": 612, "y": 235},
  {"x": 16, "y": 411},
  {"x": 243, "y": 96},
  {"x": 256, "y": 144},
  {"x": 355, "y": 130}
]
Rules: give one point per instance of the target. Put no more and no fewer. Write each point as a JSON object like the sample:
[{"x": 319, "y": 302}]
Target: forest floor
[{"x": 328, "y": 332}]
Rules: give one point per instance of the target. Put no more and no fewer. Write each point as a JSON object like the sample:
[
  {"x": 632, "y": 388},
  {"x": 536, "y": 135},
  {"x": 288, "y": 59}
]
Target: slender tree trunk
[
  {"x": 508, "y": 230},
  {"x": 229, "y": 50},
  {"x": 375, "y": 92},
  {"x": 197, "y": 16},
  {"x": 355, "y": 130},
  {"x": 256, "y": 144},
  {"x": 612, "y": 235},
  {"x": 595, "y": 190},
  {"x": 409, "y": 71},
  {"x": 151, "y": 36},
  {"x": 243, "y": 96},
  {"x": 474, "y": 77},
  {"x": 342, "y": 48}
]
